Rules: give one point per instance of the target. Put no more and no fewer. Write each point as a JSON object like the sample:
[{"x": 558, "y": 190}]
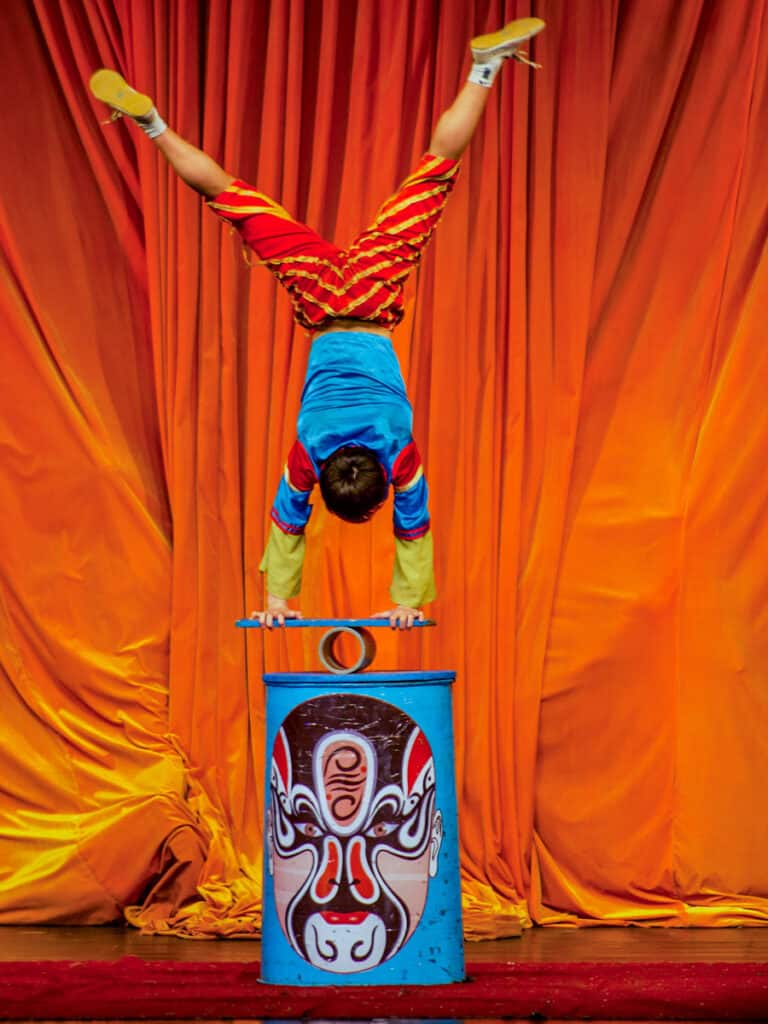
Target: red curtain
[{"x": 584, "y": 350}]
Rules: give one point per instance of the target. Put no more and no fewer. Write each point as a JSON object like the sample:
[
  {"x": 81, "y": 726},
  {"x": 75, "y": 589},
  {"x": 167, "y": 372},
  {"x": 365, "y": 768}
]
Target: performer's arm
[
  {"x": 413, "y": 576},
  {"x": 413, "y": 579},
  {"x": 283, "y": 558}
]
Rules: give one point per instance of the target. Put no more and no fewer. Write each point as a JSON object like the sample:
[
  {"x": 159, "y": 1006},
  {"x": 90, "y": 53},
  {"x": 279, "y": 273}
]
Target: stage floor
[
  {"x": 536, "y": 945},
  {"x": 113, "y": 973}
]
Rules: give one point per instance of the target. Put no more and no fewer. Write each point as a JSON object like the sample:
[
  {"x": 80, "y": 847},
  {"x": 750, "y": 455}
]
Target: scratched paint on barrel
[{"x": 362, "y": 883}]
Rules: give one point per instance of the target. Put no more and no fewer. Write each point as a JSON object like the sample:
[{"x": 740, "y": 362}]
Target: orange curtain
[{"x": 584, "y": 350}]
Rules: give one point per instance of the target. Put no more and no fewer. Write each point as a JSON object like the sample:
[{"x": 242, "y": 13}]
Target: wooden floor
[{"x": 542, "y": 945}]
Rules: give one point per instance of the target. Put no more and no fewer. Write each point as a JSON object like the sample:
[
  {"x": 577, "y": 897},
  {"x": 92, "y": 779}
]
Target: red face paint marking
[
  {"x": 420, "y": 753},
  {"x": 361, "y": 882},
  {"x": 327, "y": 881},
  {"x": 280, "y": 754}
]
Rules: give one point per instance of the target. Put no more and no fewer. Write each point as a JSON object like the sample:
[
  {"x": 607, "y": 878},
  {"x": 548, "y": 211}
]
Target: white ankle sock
[
  {"x": 152, "y": 124},
  {"x": 484, "y": 74}
]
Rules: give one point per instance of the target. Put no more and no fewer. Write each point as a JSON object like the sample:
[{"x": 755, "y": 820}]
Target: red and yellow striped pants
[{"x": 362, "y": 282}]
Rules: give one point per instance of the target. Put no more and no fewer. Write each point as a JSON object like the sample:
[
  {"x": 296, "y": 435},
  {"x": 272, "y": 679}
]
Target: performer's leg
[
  {"x": 405, "y": 222},
  {"x": 382, "y": 256},
  {"x": 193, "y": 166},
  {"x": 266, "y": 227},
  {"x": 295, "y": 254},
  {"x": 457, "y": 124},
  {"x": 411, "y": 214}
]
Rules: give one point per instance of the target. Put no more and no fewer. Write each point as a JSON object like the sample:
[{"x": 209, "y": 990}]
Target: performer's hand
[
  {"x": 401, "y": 617},
  {"x": 277, "y": 612}
]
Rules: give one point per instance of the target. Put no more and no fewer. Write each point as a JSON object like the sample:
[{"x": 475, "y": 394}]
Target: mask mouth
[
  {"x": 355, "y": 917},
  {"x": 345, "y": 948}
]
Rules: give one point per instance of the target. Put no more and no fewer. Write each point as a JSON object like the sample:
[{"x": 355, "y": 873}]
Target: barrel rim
[{"x": 359, "y": 680}]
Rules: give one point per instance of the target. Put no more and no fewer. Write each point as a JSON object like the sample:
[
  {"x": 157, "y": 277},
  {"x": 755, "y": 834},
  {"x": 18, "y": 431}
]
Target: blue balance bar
[{"x": 353, "y": 623}]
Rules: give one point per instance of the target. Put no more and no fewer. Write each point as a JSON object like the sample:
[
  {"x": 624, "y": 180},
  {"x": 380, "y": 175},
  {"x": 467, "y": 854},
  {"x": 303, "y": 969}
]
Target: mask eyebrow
[
  {"x": 304, "y": 801},
  {"x": 387, "y": 802}
]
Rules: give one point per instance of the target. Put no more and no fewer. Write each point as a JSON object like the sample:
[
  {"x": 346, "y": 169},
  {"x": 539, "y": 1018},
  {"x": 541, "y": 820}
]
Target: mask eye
[
  {"x": 381, "y": 829},
  {"x": 307, "y": 828}
]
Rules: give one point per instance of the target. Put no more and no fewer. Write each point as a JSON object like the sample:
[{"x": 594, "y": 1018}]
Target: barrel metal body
[{"x": 361, "y": 880}]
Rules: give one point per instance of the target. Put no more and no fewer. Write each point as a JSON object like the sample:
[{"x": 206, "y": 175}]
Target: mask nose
[
  {"x": 361, "y": 880},
  {"x": 328, "y": 878}
]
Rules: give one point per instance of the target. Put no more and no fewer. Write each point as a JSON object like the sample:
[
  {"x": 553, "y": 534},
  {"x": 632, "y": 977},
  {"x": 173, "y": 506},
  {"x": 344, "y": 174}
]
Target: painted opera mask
[{"x": 352, "y": 830}]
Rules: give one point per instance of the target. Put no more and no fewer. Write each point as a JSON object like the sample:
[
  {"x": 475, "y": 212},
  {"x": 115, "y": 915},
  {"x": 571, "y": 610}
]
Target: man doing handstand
[{"x": 354, "y": 425}]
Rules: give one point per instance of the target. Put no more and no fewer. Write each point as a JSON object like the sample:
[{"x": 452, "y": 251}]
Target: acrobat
[{"x": 354, "y": 430}]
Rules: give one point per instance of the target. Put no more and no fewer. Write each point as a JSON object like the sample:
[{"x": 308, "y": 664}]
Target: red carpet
[{"x": 132, "y": 987}]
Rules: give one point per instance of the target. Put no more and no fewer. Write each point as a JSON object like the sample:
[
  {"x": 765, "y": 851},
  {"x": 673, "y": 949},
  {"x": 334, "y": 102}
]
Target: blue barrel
[{"x": 361, "y": 879}]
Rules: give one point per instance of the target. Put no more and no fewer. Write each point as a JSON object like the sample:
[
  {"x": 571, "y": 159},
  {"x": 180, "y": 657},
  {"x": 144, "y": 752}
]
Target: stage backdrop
[{"x": 586, "y": 353}]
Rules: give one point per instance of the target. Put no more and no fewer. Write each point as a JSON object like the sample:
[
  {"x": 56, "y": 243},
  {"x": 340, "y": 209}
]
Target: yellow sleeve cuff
[
  {"x": 283, "y": 562},
  {"x": 413, "y": 577}
]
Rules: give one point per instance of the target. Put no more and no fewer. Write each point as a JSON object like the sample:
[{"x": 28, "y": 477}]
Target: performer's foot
[
  {"x": 499, "y": 45},
  {"x": 111, "y": 88}
]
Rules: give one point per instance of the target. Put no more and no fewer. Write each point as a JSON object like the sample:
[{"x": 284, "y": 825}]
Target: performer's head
[{"x": 353, "y": 483}]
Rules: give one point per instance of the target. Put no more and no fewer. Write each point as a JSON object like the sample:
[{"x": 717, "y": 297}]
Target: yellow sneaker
[
  {"x": 505, "y": 42},
  {"x": 110, "y": 87}
]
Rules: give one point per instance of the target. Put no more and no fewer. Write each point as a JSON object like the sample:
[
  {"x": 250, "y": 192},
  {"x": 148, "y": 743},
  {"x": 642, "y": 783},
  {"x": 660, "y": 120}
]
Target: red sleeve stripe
[
  {"x": 415, "y": 533},
  {"x": 289, "y": 528},
  {"x": 407, "y": 468},
  {"x": 412, "y": 482},
  {"x": 299, "y": 472}
]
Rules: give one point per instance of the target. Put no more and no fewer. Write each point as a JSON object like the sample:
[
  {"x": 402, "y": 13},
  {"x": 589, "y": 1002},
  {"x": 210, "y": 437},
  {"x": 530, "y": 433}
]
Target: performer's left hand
[
  {"x": 401, "y": 617},
  {"x": 276, "y": 613}
]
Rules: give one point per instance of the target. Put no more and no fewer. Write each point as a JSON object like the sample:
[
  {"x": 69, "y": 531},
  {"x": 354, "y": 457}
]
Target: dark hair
[{"x": 353, "y": 483}]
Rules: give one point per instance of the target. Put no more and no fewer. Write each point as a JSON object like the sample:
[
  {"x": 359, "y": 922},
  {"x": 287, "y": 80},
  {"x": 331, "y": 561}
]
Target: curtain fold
[{"x": 584, "y": 351}]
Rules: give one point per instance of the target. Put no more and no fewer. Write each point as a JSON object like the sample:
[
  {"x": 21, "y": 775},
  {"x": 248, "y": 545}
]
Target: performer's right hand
[
  {"x": 277, "y": 612},
  {"x": 401, "y": 616}
]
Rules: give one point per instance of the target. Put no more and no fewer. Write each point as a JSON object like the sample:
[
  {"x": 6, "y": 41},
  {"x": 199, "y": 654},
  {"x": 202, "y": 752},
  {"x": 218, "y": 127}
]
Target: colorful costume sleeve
[
  {"x": 284, "y": 555},
  {"x": 411, "y": 514},
  {"x": 283, "y": 562},
  {"x": 413, "y": 579}
]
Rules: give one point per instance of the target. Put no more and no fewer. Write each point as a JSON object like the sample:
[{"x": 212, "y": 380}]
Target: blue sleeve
[
  {"x": 291, "y": 510},
  {"x": 411, "y": 514}
]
